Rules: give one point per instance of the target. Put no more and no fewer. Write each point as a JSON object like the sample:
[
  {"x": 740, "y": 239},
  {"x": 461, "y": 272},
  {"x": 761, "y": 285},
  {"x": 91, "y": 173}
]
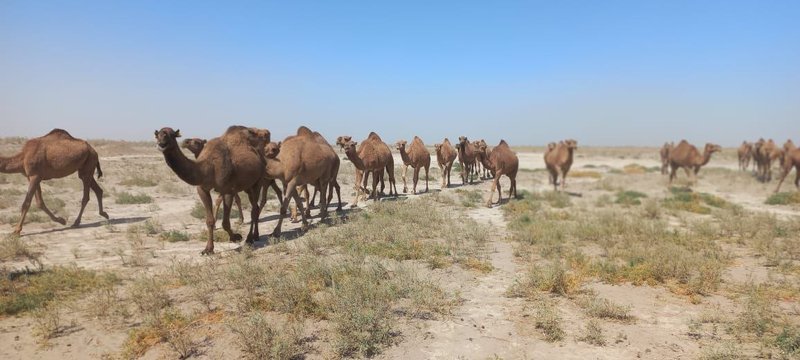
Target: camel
[
  {"x": 745, "y": 154},
  {"x": 466, "y": 157},
  {"x": 559, "y": 160},
  {"x": 371, "y": 156},
  {"x": 484, "y": 155},
  {"x": 768, "y": 152},
  {"x": 417, "y": 157},
  {"x": 333, "y": 186},
  {"x": 502, "y": 161},
  {"x": 55, "y": 155},
  {"x": 445, "y": 155},
  {"x": 228, "y": 164},
  {"x": 301, "y": 159},
  {"x": 550, "y": 147},
  {"x": 686, "y": 156},
  {"x": 477, "y": 168},
  {"x": 791, "y": 160},
  {"x": 664, "y": 152},
  {"x": 342, "y": 141}
]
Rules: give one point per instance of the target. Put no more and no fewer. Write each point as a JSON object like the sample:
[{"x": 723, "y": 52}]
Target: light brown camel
[
  {"x": 445, "y": 156},
  {"x": 228, "y": 164},
  {"x": 502, "y": 161},
  {"x": 559, "y": 160},
  {"x": 371, "y": 157},
  {"x": 477, "y": 169},
  {"x": 745, "y": 153},
  {"x": 301, "y": 159},
  {"x": 791, "y": 160},
  {"x": 767, "y": 154},
  {"x": 417, "y": 157},
  {"x": 342, "y": 141},
  {"x": 664, "y": 152},
  {"x": 54, "y": 156},
  {"x": 686, "y": 156},
  {"x": 550, "y": 147},
  {"x": 467, "y": 153},
  {"x": 333, "y": 186},
  {"x": 484, "y": 155},
  {"x": 487, "y": 173}
]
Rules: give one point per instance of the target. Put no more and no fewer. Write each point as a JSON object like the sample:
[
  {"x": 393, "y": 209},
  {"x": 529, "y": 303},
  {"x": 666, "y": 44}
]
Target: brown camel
[
  {"x": 301, "y": 159},
  {"x": 342, "y": 141},
  {"x": 467, "y": 153},
  {"x": 791, "y": 160},
  {"x": 686, "y": 156},
  {"x": 229, "y": 164},
  {"x": 371, "y": 157},
  {"x": 767, "y": 154},
  {"x": 559, "y": 160},
  {"x": 664, "y": 152},
  {"x": 54, "y": 156},
  {"x": 484, "y": 155},
  {"x": 445, "y": 156},
  {"x": 502, "y": 161},
  {"x": 417, "y": 157},
  {"x": 550, "y": 147},
  {"x": 333, "y": 186},
  {"x": 745, "y": 154}
]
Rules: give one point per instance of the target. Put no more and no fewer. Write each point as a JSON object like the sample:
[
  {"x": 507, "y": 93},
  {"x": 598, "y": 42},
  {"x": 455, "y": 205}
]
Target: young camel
[
  {"x": 342, "y": 141},
  {"x": 301, "y": 160},
  {"x": 745, "y": 153},
  {"x": 372, "y": 156},
  {"x": 467, "y": 153},
  {"x": 502, "y": 161},
  {"x": 229, "y": 164},
  {"x": 417, "y": 157},
  {"x": 687, "y": 156},
  {"x": 559, "y": 160},
  {"x": 445, "y": 156},
  {"x": 664, "y": 152},
  {"x": 791, "y": 160},
  {"x": 54, "y": 156}
]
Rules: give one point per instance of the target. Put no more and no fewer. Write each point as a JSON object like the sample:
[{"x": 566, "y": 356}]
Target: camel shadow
[
  {"x": 334, "y": 217},
  {"x": 118, "y": 221},
  {"x": 573, "y": 194}
]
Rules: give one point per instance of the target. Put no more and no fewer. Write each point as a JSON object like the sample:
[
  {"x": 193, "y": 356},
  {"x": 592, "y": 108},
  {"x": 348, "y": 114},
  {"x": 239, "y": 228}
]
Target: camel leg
[
  {"x": 392, "y": 182},
  {"x": 33, "y": 183},
  {"x": 211, "y": 220},
  {"x": 513, "y": 186},
  {"x": 783, "y": 176},
  {"x": 227, "y": 202},
  {"x": 289, "y": 191},
  {"x": 416, "y": 179},
  {"x": 405, "y": 187},
  {"x": 278, "y": 192},
  {"x": 255, "y": 213},
  {"x": 303, "y": 218},
  {"x": 564, "y": 180},
  {"x": 491, "y": 192},
  {"x": 357, "y": 186},
  {"x": 238, "y": 202},
  {"x": 338, "y": 189},
  {"x": 40, "y": 203},
  {"x": 84, "y": 201},
  {"x": 217, "y": 206},
  {"x": 375, "y": 186},
  {"x": 323, "y": 199},
  {"x": 427, "y": 168},
  {"x": 98, "y": 192},
  {"x": 797, "y": 177}
]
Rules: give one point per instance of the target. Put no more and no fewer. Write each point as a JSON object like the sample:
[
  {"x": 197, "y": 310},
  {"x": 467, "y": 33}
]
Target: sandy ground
[{"x": 487, "y": 324}]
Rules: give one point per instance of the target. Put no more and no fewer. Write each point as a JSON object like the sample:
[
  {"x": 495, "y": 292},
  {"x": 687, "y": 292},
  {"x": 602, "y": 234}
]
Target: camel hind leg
[
  {"x": 255, "y": 213},
  {"x": 405, "y": 187},
  {"x": 427, "y": 168},
  {"x": 84, "y": 201},
  {"x": 98, "y": 192},
  {"x": 227, "y": 202},
  {"x": 416, "y": 179},
  {"x": 495, "y": 186}
]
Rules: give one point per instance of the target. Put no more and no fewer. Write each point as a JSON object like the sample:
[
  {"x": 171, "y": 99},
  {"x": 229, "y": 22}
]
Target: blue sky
[{"x": 602, "y": 72}]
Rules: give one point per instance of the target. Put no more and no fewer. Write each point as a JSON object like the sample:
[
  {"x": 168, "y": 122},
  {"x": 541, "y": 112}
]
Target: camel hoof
[
  {"x": 251, "y": 239},
  {"x": 275, "y": 234},
  {"x": 207, "y": 251},
  {"x": 104, "y": 214},
  {"x": 74, "y": 225},
  {"x": 236, "y": 238},
  {"x": 63, "y": 221}
]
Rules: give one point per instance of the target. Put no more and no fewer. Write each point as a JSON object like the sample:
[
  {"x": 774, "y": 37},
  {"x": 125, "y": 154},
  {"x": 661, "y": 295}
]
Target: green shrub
[
  {"x": 128, "y": 198},
  {"x": 629, "y": 197}
]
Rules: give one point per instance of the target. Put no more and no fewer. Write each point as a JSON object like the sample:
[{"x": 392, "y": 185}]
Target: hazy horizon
[{"x": 617, "y": 73}]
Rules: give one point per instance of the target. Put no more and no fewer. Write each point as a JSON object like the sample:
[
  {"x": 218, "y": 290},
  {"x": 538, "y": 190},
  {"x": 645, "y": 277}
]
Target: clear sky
[{"x": 603, "y": 72}]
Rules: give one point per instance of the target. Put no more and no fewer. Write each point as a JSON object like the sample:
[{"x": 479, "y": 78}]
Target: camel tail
[{"x": 99, "y": 171}]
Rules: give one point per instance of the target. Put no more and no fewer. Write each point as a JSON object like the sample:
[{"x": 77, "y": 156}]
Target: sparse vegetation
[
  {"x": 784, "y": 198},
  {"x": 606, "y": 309},
  {"x": 260, "y": 338},
  {"x": 29, "y": 290},
  {"x": 174, "y": 236},
  {"x": 629, "y": 197},
  {"x": 128, "y": 198},
  {"x": 593, "y": 334},
  {"x": 585, "y": 174},
  {"x": 138, "y": 180},
  {"x": 548, "y": 321}
]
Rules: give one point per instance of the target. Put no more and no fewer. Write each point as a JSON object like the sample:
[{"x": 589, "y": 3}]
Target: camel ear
[
  {"x": 178, "y": 133},
  {"x": 155, "y": 133},
  {"x": 204, "y": 141}
]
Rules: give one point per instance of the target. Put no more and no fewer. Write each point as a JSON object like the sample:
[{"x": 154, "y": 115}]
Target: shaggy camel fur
[
  {"x": 467, "y": 153},
  {"x": 745, "y": 153},
  {"x": 372, "y": 156},
  {"x": 445, "y": 156},
  {"x": 502, "y": 161},
  {"x": 54, "y": 156},
  {"x": 417, "y": 157},
  {"x": 559, "y": 160},
  {"x": 791, "y": 160},
  {"x": 686, "y": 156},
  {"x": 299, "y": 160},
  {"x": 229, "y": 164},
  {"x": 664, "y": 152}
]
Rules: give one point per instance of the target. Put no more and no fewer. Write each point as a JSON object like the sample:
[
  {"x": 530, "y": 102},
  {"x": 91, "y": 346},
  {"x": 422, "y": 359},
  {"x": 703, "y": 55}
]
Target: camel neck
[
  {"x": 185, "y": 168},
  {"x": 404, "y": 156},
  {"x": 357, "y": 162},
  {"x": 274, "y": 168},
  {"x": 12, "y": 164},
  {"x": 706, "y": 158}
]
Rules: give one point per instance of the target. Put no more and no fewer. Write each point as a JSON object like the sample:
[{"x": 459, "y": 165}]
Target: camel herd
[{"x": 245, "y": 159}]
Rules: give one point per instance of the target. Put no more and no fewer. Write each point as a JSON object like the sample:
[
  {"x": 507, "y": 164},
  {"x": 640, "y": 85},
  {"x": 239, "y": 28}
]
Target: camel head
[
  {"x": 712, "y": 148},
  {"x": 167, "y": 138},
  {"x": 401, "y": 145},
  {"x": 463, "y": 140},
  {"x": 259, "y": 137},
  {"x": 482, "y": 148},
  {"x": 195, "y": 145},
  {"x": 343, "y": 140},
  {"x": 272, "y": 150},
  {"x": 551, "y": 146},
  {"x": 350, "y": 146},
  {"x": 572, "y": 144},
  {"x": 438, "y": 147},
  {"x": 789, "y": 145}
]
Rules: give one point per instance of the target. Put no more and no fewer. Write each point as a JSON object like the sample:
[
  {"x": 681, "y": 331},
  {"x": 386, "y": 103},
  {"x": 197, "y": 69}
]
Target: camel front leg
[
  {"x": 84, "y": 201},
  {"x": 255, "y": 213},
  {"x": 43, "y": 206},
  {"x": 323, "y": 199},
  {"x": 426, "y": 178},
  {"x": 238, "y": 201},
  {"x": 227, "y": 202},
  {"x": 416, "y": 179},
  {"x": 405, "y": 188},
  {"x": 564, "y": 180},
  {"x": 357, "y": 187},
  {"x": 33, "y": 183},
  {"x": 205, "y": 198},
  {"x": 491, "y": 192},
  {"x": 299, "y": 202},
  {"x": 289, "y": 191},
  {"x": 786, "y": 170},
  {"x": 375, "y": 184}
]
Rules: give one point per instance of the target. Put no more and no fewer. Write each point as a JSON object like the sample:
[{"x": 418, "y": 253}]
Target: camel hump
[
  {"x": 373, "y": 136},
  {"x": 234, "y": 128},
  {"x": 417, "y": 138},
  {"x": 60, "y": 133},
  {"x": 683, "y": 141},
  {"x": 502, "y": 143},
  {"x": 304, "y": 131}
]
